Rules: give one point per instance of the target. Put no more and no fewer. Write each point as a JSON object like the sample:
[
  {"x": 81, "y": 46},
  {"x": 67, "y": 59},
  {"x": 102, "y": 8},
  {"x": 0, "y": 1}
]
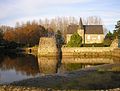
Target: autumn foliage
[{"x": 28, "y": 34}]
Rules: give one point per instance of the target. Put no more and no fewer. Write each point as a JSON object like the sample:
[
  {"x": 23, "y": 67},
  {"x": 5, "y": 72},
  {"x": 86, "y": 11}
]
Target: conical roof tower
[{"x": 80, "y": 23}]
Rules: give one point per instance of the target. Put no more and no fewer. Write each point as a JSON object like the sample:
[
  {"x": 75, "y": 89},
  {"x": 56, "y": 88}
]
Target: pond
[{"x": 17, "y": 67}]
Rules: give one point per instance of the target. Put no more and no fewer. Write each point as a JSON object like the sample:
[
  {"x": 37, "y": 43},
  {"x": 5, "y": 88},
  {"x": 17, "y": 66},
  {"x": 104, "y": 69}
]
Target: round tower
[{"x": 47, "y": 47}]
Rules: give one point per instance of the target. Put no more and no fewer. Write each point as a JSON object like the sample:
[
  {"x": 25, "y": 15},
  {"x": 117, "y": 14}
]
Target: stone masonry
[{"x": 47, "y": 47}]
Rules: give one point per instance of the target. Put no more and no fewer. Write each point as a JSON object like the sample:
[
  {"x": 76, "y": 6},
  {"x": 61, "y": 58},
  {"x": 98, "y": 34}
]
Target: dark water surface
[{"x": 23, "y": 66}]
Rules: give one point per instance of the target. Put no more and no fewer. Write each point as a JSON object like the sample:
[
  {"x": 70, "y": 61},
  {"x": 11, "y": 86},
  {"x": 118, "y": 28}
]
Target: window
[
  {"x": 88, "y": 37},
  {"x": 99, "y": 37}
]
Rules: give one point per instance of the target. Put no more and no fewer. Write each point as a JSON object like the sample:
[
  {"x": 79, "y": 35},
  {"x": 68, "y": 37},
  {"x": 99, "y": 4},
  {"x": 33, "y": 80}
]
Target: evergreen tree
[
  {"x": 117, "y": 29},
  {"x": 75, "y": 40},
  {"x": 59, "y": 39}
]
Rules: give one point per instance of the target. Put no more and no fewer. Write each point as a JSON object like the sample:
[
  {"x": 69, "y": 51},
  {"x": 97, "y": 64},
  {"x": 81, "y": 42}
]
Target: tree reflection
[
  {"x": 25, "y": 64},
  {"x": 31, "y": 65}
]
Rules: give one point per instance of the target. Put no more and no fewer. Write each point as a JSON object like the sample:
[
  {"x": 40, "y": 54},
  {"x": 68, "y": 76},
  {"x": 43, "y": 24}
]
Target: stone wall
[
  {"x": 116, "y": 52},
  {"x": 89, "y": 38},
  {"x": 81, "y": 33},
  {"x": 68, "y": 36},
  {"x": 83, "y": 51},
  {"x": 47, "y": 47},
  {"x": 94, "y": 38},
  {"x": 114, "y": 43},
  {"x": 96, "y": 51}
]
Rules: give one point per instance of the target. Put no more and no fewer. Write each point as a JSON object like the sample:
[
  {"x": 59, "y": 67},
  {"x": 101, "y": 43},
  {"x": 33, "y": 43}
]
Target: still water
[{"x": 18, "y": 67}]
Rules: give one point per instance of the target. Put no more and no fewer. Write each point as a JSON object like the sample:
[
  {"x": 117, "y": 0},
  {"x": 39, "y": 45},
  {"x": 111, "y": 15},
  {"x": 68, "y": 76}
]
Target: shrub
[{"x": 75, "y": 40}]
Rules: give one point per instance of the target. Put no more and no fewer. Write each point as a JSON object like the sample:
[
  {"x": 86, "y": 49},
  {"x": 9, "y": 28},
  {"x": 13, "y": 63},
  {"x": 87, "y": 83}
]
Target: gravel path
[{"x": 21, "y": 88}]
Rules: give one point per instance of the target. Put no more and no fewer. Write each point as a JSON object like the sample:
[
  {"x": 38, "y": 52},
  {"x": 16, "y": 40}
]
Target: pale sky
[{"x": 12, "y": 11}]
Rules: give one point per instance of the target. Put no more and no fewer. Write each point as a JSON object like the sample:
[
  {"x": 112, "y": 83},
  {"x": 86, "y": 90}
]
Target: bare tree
[
  {"x": 73, "y": 20},
  {"x": 53, "y": 24},
  {"x": 105, "y": 30},
  {"x": 17, "y": 25},
  {"x": 93, "y": 20},
  {"x": 46, "y": 23}
]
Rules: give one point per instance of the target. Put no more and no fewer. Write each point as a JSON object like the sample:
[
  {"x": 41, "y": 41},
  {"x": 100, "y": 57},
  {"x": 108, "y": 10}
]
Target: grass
[
  {"x": 73, "y": 66},
  {"x": 114, "y": 69}
]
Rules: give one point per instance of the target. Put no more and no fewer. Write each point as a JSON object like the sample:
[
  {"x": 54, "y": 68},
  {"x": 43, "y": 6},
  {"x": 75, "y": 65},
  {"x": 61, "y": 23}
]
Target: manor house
[{"x": 89, "y": 33}]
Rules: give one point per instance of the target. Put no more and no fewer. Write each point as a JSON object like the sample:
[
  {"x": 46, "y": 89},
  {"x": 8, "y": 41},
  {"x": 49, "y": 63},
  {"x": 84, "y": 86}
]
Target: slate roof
[
  {"x": 93, "y": 29},
  {"x": 72, "y": 28},
  {"x": 88, "y": 29}
]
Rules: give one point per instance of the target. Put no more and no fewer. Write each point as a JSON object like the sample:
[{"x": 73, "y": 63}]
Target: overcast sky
[{"x": 12, "y": 11}]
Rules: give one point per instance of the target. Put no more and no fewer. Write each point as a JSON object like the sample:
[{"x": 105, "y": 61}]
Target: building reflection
[
  {"x": 116, "y": 59},
  {"x": 50, "y": 65},
  {"x": 47, "y": 65},
  {"x": 88, "y": 59},
  {"x": 20, "y": 67},
  {"x": 74, "y": 63},
  {"x": 30, "y": 65}
]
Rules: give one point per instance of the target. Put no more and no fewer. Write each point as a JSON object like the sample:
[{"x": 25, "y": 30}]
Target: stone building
[
  {"x": 47, "y": 47},
  {"x": 89, "y": 33}
]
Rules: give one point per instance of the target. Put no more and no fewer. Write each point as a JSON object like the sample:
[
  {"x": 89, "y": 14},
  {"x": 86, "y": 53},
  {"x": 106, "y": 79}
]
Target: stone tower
[
  {"x": 47, "y": 47},
  {"x": 81, "y": 31}
]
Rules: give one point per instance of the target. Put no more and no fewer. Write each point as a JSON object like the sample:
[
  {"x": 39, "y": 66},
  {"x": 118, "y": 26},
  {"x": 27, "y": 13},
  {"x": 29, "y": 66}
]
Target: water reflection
[
  {"x": 23, "y": 63},
  {"x": 52, "y": 65},
  {"x": 47, "y": 65},
  {"x": 19, "y": 67}
]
